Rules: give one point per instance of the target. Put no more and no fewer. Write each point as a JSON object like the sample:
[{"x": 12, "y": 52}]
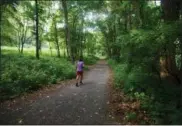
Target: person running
[{"x": 79, "y": 71}]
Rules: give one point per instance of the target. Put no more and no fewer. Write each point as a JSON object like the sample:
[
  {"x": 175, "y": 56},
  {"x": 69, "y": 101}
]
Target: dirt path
[{"x": 86, "y": 104}]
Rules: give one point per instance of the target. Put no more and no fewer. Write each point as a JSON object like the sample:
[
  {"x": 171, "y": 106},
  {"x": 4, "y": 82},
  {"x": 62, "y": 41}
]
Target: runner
[{"x": 79, "y": 73}]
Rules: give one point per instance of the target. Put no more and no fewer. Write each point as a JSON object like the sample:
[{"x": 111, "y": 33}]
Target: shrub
[
  {"x": 89, "y": 60},
  {"x": 23, "y": 73},
  {"x": 157, "y": 99}
]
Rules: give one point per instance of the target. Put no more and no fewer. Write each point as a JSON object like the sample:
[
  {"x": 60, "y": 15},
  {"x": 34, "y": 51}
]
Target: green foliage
[
  {"x": 158, "y": 99},
  {"x": 90, "y": 60},
  {"x": 131, "y": 116},
  {"x": 24, "y": 73},
  {"x": 137, "y": 72},
  {"x": 119, "y": 77},
  {"x": 132, "y": 35}
]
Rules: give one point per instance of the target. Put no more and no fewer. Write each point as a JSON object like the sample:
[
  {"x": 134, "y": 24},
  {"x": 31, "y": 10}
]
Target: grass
[{"x": 30, "y": 51}]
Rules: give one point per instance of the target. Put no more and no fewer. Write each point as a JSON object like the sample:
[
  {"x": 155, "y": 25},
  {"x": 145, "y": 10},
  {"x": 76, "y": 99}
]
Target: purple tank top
[{"x": 80, "y": 66}]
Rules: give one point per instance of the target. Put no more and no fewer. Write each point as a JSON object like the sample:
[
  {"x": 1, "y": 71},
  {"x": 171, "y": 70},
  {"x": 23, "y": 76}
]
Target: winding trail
[{"x": 86, "y": 104}]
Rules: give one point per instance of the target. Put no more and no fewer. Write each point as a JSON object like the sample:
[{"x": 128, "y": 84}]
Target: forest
[{"x": 141, "y": 41}]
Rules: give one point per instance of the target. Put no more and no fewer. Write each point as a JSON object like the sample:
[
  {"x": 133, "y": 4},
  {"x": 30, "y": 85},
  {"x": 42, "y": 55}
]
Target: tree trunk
[
  {"x": 129, "y": 17},
  {"x": 126, "y": 23},
  {"x": 19, "y": 39},
  {"x": 22, "y": 45},
  {"x": 142, "y": 14},
  {"x": 56, "y": 39},
  {"x": 66, "y": 42},
  {"x": 108, "y": 48},
  {"x": 64, "y": 53},
  {"x": 136, "y": 8},
  {"x": 0, "y": 37},
  {"x": 50, "y": 48},
  {"x": 67, "y": 32},
  {"x": 82, "y": 38},
  {"x": 73, "y": 38},
  {"x": 170, "y": 10},
  {"x": 36, "y": 28},
  {"x": 180, "y": 38},
  {"x": 171, "y": 13},
  {"x": 23, "y": 38},
  {"x": 181, "y": 10}
]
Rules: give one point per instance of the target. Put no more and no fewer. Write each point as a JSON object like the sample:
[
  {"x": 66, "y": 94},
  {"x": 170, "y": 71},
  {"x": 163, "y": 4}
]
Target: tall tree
[
  {"x": 171, "y": 13},
  {"x": 56, "y": 36},
  {"x": 3, "y": 3},
  {"x": 67, "y": 30},
  {"x": 0, "y": 35},
  {"x": 37, "y": 29}
]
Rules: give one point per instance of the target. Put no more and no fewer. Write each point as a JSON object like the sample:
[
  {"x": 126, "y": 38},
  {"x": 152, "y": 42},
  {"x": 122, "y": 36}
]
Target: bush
[
  {"x": 157, "y": 99},
  {"x": 120, "y": 77},
  {"x": 90, "y": 60},
  {"x": 24, "y": 73},
  {"x": 111, "y": 62},
  {"x": 131, "y": 116}
]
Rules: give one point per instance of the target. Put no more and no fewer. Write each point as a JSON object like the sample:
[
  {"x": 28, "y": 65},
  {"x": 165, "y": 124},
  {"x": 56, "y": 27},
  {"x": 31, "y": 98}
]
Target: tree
[
  {"x": 3, "y": 4},
  {"x": 67, "y": 31},
  {"x": 56, "y": 36},
  {"x": 36, "y": 29},
  {"x": 171, "y": 13}
]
